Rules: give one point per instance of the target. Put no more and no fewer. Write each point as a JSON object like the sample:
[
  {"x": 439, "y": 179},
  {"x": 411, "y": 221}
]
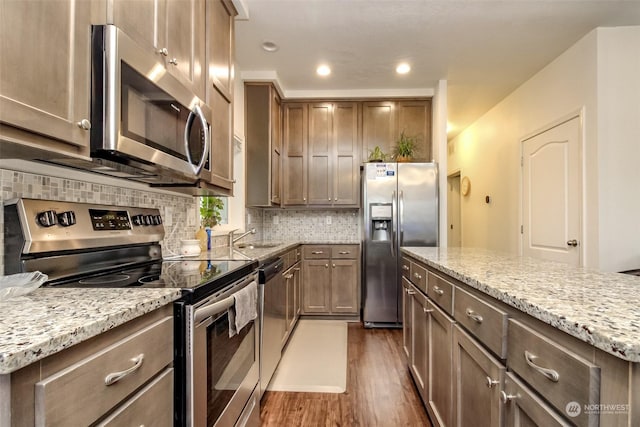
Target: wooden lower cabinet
[
  {"x": 525, "y": 409},
  {"x": 407, "y": 323},
  {"x": 419, "y": 362},
  {"x": 331, "y": 280},
  {"x": 440, "y": 390},
  {"x": 476, "y": 404}
]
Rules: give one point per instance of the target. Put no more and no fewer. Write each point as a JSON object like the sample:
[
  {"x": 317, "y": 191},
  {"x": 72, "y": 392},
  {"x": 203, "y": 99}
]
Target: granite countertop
[
  {"x": 602, "y": 309},
  {"x": 49, "y": 320}
]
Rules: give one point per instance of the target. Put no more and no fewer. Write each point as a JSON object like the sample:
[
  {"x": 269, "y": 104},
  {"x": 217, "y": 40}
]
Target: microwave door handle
[{"x": 197, "y": 111}]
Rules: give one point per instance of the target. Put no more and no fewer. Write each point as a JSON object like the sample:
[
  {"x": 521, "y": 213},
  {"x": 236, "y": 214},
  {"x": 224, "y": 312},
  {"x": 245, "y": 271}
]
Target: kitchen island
[{"x": 524, "y": 341}]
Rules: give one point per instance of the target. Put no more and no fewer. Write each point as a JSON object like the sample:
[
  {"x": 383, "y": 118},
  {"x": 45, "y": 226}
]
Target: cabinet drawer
[
  {"x": 151, "y": 406},
  {"x": 79, "y": 394},
  {"x": 486, "y": 322},
  {"x": 558, "y": 374},
  {"x": 405, "y": 268},
  {"x": 441, "y": 292},
  {"x": 523, "y": 405},
  {"x": 419, "y": 276},
  {"x": 317, "y": 252},
  {"x": 344, "y": 251}
]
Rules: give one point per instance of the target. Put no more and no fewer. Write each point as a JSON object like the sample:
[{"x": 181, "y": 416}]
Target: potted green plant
[
  {"x": 377, "y": 155},
  {"x": 210, "y": 211},
  {"x": 405, "y": 148}
]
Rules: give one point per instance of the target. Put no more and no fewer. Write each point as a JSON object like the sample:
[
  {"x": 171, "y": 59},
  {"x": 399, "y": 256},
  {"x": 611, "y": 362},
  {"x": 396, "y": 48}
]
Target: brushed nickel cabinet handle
[
  {"x": 438, "y": 291},
  {"x": 163, "y": 51},
  {"x": 550, "y": 374},
  {"x": 417, "y": 276},
  {"x": 572, "y": 243},
  {"x": 326, "y": 266},
  {"x": 317, "y": 252},
  {"x": 344, "y": 252},
  {"x": 491, "y": 382},
  {"x": 410, "y": 292},
  {"x": 474, "y": 316},
  {"x": 405, "y": 267},
  {"x": 117, "y": 376},
  {"x": 173, "y": 61},
  {"x": 427, "y": 310},
  {"x": 334, "y": 266},
  {"x": 506, "y": 398}
]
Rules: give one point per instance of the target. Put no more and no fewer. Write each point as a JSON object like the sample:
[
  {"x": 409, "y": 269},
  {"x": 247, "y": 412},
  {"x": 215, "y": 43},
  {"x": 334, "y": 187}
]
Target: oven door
[
  {"x": 143, "y": 114},
  {"x": 223, "y": 370}
]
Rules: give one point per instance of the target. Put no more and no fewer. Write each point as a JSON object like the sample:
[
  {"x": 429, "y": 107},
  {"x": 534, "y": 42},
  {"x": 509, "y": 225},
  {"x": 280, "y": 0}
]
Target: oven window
[{"x": 228, "y": 363}]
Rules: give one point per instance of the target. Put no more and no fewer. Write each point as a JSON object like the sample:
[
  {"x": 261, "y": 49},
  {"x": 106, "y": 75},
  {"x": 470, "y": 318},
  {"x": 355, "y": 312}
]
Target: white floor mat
[{"x": 315, "y": 359}]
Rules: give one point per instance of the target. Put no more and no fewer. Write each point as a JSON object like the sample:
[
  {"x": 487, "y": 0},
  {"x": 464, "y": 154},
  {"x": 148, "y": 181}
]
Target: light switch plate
[
  {"x": 328, "y": 220},
  {"x": 191, "y": 216},
  {"x": 276, "y": 219},
  {"x": 167, "y": 218}
]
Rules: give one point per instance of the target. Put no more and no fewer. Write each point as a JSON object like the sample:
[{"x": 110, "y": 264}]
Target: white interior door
[
  {"x": 552, "y": 194},
  {"x": 454, "y": 234}
]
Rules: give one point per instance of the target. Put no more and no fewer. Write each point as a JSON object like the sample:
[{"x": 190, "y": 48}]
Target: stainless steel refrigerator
[{"x": 400, "y": 208}]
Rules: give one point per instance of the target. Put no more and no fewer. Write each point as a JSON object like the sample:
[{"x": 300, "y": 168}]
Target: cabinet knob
[
  {"x": 173, "y": 61},
  {"x": 572, "y": 243},
  {"x": 405, "y": 267},
  {"x": 163, "y": 51},
  {"x": 417, "y": 276},
  {"x": 326, "y": 266},
  {"x": 335, "y": 200},
  {"x": 334, "y": 266},
  {"x": 506, "y": 398},
  {"x": 438, "y": 291},
  {"x": 491, "y": 382},
  {"x": 473, "y": 316},
  {"x": 84, "y": 124},
  {"x": 329, "y": 198},
  {"x": 304, "y": 199}
]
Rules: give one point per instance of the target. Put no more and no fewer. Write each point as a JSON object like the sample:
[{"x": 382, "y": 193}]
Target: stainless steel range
[{"x": 85, "y": 245}]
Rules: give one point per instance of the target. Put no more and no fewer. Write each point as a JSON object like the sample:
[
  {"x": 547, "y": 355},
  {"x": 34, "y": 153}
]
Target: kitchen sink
[{"x": 256, "y": 245}]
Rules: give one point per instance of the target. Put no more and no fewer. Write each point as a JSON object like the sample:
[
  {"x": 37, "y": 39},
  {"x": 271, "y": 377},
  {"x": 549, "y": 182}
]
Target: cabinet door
[
  {"x": 378, "y": 127},
  {"x": 420, "y": 342},
  {"x": 407, "y": 324},
  {"x": 475, "y": 403},
  {"x": 221, "y": 153},
  {"x": 45, "y": 69},
  {"x": 344, "y": 286},
  {"x": 184, "y": 29},
  {"x": 414, "y": 119},
  {"x": 276, "y": 146},
  {"x": 142, "y": 20},
  {"x": 316, "y": 288},
  {"x": 220, "y": 39},
  {"x": 320, "y": 154},
  {"x": 525, "y": 409},
  {"x": 297, "y": 286},
  {"x": 346, "y": 140},
  {"x": 440, "y": 394},
  {"x": 290, "y": 302},
  {"x": 294, "y": 172}
]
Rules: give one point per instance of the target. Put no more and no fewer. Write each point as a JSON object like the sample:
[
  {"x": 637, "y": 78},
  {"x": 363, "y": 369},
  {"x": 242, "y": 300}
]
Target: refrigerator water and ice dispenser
[{"x": 381, "y": 217}]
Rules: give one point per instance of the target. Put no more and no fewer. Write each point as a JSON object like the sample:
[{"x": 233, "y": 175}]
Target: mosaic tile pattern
[
  {"x": 312, "y": 225},
  {"x": 602, "y": 309},
  {"x": 47, "y": 321}
]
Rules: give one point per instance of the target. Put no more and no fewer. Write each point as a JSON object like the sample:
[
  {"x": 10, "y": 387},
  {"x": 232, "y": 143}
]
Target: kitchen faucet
[{"x": 232, "y": 240}]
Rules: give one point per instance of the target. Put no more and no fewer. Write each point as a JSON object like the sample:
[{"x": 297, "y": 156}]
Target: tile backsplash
[
  {"x": 14, "y": 184},
  {"x": 311, "y": 225}
]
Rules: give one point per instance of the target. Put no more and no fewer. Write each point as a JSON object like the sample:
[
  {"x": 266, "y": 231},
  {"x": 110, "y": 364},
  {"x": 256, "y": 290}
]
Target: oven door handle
[{"x": 213, "y": 309}]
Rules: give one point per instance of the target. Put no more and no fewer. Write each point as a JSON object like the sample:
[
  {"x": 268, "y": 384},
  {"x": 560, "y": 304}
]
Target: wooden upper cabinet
[
  {"x": 45, "y": 74},
  {"x": 414, "y": 118},
  {"x": 346, "y": 137},
  {"x": 294, "y": 161},
  {"x": 276, "y": 147},
  {"x": 383, "y": 122},
  {"x": 378, "y": 127},
  {"x": 174, "y": 30},
  {"x": 320, "y": 154},
  {"x": 220, "y": 40},
  {"x": 221, "y": 153}
]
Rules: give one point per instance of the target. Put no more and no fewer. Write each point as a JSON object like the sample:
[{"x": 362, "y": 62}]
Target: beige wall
[{"x": 488, "y": 152}]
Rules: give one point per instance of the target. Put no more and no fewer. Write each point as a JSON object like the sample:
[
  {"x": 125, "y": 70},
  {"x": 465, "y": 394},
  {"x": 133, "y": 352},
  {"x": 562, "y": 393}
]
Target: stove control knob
[
  {"x": 47, "y": 218},
  {"x": 138, "y": 219},
  {"x": 158, "y": 220},
  {"x": 67, "y": 219},
  {"x": 148, "y": 220}
]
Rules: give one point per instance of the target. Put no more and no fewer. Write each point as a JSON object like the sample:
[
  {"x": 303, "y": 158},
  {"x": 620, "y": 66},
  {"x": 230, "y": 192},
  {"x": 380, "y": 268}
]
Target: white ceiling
[{"x": 484, "y": 49}]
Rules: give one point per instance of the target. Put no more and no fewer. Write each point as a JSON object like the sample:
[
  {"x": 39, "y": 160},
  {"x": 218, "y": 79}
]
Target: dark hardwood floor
[{"x": 380, "y": 391}]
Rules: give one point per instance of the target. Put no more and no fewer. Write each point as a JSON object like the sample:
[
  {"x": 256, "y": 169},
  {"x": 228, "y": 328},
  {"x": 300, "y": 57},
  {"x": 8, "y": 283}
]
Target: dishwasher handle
[{"x": 270, "y": 268}]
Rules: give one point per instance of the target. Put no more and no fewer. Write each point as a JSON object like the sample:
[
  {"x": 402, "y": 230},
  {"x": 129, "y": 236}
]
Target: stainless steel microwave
[{"x": 144, "y": 121}]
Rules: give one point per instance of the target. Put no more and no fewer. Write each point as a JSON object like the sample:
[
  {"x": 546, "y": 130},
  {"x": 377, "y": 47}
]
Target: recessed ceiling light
[
  {"x": 269, "y": 46},
  {"x": 403, "y": 68},
  {"x": 323, "y": 70}
]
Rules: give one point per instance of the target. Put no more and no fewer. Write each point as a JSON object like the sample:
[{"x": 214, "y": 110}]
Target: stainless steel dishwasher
[{"x": 272, "y": 321}]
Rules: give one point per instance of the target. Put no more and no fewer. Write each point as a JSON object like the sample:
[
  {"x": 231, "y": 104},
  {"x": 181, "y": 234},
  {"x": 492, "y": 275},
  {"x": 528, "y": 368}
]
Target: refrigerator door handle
[
  {"x": 393, "y": 224},
  {"x": 401, "y": 216}
]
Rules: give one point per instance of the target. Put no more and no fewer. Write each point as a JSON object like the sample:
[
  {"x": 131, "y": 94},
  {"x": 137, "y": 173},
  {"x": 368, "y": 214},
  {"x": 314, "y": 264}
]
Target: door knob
[{"x": 573, "y": 243}]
